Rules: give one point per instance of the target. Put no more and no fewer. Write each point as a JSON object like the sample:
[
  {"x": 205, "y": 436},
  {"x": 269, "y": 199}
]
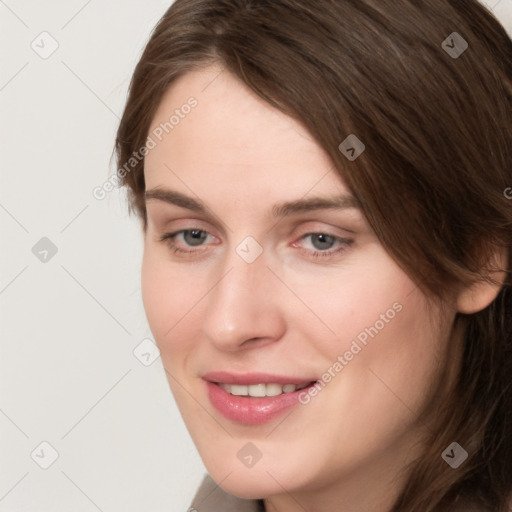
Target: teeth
[
  {"x": 260, "y": 390},
  {"x": 239, "y": 390},
  {"x": 257, "y": 390},
  {"x": 273, "y": 389}
]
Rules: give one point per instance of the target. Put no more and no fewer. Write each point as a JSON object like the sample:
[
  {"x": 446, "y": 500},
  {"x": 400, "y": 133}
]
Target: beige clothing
[{"x": 211, "y": 498}]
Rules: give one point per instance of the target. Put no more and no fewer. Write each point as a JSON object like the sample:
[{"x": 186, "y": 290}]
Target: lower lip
[{"x": 251, "y": 410}]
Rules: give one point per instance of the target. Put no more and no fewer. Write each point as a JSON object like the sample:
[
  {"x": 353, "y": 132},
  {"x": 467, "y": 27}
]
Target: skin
[{"x": 287, "y": 312}]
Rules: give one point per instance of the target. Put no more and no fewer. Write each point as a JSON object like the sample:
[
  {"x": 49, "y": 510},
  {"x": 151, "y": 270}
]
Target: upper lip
[{"x": 253, "y": 378}]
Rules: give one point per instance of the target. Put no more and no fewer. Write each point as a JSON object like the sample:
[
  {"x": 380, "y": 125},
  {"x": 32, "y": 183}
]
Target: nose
[{"x": 244, "y": 307}]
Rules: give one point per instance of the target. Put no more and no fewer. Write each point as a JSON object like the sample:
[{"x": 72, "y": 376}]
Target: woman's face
[{"x": 269, "y": 287}]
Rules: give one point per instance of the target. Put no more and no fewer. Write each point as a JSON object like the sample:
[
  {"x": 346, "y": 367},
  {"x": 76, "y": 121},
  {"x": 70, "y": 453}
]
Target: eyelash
[{"x": 168, "y": 239}]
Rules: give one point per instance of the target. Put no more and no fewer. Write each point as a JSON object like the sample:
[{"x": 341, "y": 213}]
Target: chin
[
  {"x": 248, "y": 485},
  {"x": 258, "y": 482}
]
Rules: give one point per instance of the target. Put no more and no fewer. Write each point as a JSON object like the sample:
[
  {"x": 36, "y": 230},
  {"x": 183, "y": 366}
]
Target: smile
[{"x": 253, "y": 399}]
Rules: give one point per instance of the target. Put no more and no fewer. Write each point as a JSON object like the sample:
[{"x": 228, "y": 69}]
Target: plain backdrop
[{"x": 87, "y": 421}]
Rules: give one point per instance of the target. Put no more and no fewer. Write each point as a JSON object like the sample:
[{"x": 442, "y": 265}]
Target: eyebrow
[{"x": 282, "y": 209}]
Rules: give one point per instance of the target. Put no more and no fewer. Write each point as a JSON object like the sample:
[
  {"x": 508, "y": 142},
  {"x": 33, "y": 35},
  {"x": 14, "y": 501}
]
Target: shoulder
[{"x": 211, "y": 498}]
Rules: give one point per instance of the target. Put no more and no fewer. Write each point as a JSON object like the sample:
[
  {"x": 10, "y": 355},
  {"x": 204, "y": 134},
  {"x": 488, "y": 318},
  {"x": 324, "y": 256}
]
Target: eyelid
[
  {"x": 161, "y": 218},
  {"x": 315, "y": 228}
]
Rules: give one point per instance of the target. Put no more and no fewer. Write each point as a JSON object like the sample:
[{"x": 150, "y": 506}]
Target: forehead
[{"x": 233, "y": 141}]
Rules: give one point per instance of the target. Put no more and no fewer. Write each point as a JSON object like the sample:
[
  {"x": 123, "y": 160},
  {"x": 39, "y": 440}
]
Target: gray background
[{"x": 77, "y": 367}]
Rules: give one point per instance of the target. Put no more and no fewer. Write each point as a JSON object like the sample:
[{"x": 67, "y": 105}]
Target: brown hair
[{"x": 432, "y": 180}]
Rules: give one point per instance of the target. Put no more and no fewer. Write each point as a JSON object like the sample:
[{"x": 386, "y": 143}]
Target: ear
[{"x": 479, "y": 295}]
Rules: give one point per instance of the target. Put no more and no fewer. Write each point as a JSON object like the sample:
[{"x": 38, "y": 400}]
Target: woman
[{"x": 327, "y": 230}]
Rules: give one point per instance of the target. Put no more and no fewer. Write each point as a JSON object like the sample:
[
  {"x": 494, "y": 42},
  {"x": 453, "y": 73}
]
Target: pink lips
[{"x": 251, "y": 410}]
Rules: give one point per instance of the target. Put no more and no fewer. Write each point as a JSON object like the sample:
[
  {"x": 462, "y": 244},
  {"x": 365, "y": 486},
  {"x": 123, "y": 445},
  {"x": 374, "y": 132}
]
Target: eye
[
  {"x": 323, "y": 242},
  {"x": 193, "y": 237}
]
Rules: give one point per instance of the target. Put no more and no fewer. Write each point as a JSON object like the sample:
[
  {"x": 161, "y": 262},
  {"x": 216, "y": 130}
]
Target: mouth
[{"x": 253, "y": 399}]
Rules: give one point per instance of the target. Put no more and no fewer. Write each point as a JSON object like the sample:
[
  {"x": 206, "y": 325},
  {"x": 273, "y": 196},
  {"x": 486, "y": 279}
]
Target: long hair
[{"x": 427, "y": 87}]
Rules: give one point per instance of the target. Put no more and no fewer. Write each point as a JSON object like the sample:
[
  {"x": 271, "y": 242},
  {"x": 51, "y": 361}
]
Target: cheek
[
  {"x": 363, "y": 298},
  {"x": 172, "y": 303},
  {"x": 389, "y": 320},
  {"x": 382, "y": 330},
  {"x": 154, "y": 293},
  {"x": 163, "y": 293},
  {"x": 395, "y": 358}
]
